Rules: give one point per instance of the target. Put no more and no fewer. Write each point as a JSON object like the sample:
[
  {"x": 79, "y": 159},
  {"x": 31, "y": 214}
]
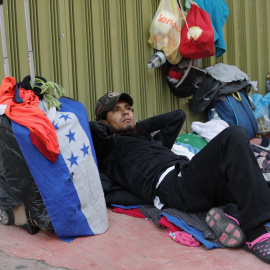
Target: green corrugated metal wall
[{"x": 93, "y": 46}]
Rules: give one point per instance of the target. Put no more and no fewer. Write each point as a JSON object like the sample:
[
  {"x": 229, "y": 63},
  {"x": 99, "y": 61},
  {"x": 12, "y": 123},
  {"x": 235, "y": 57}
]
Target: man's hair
[{"x": 103, "y": 116}]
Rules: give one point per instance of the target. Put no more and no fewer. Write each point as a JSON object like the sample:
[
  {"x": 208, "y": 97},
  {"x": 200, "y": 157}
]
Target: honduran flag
[{"x": 70, "y": 187}]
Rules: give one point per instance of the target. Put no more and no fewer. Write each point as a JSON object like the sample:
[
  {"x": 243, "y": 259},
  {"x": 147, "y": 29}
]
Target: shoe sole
[
  {"x": 226, "y": 230},
  {"x": 4, "y": 217}
]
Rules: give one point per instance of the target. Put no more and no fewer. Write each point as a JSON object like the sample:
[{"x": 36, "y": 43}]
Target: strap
[
  {"x": 235, "y": 115},
  {"x": 17, "y": 98},
  {"x": 3, "y": 37},
  {"x": 252, "y": 120},
  {"x": 29, "y": 42},
  {"x": 183, "y": 12},
  {"x": 237, "y": 96}
]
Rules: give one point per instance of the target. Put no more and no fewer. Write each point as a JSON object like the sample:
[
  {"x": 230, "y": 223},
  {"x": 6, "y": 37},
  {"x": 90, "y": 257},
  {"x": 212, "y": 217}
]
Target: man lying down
[{"x": 224, "y": 171}]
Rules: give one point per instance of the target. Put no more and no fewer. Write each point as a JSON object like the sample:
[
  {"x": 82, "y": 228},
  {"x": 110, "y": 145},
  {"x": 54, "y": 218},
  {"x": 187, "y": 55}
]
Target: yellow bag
[{"x": 165, "y": 30}]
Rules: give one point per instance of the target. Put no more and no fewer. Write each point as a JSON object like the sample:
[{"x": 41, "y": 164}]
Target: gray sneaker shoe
[{"x": 225, "y": 228}]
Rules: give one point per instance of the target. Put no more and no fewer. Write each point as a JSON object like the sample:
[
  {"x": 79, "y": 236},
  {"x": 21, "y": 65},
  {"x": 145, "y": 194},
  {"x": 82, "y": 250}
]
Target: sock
[
  {"x": 254, "y": 233},
  {"x": 265, "y": 141}
]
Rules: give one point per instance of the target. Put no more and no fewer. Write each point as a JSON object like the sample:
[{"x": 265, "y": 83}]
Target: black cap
[{"x": 109, "y": 101}]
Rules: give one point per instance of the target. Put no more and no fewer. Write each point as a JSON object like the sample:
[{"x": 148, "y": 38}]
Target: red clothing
[
  {"x": 167, "y": 224},
  {"x": 28, "y": 114},
  {"x": 131, "y": 212}
]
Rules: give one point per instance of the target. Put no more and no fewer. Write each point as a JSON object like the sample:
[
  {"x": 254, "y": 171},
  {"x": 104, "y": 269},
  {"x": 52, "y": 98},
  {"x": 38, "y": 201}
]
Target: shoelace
[
  {"x": 232, "y": 218},
  {"x": 258, "y": 240}
]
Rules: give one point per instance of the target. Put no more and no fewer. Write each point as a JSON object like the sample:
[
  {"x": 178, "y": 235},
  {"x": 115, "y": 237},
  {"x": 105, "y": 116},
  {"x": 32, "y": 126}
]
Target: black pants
[{"x": 224, "y": 171}]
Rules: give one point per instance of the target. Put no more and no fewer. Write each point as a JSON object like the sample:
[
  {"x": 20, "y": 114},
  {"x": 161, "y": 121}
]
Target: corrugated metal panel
[{"x": 93, "y": 46}]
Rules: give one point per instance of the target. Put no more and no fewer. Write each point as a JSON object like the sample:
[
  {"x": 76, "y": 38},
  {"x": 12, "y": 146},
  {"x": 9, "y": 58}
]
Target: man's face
[{"x": 121, "y": 117}]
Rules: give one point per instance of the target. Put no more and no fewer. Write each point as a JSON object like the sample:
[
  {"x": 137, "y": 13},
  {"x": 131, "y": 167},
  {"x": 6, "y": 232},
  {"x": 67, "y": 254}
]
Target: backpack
[
  {"x": 235, "y": 109},
  {"x": 192, "y": 76},
  {"x": 211, "y": 90}
]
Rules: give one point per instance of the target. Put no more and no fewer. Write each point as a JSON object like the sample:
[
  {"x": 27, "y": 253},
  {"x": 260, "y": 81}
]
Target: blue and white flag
[{"x": 71, "y": 187}]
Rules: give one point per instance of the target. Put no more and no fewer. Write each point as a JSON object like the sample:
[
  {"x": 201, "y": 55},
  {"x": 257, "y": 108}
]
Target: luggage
[
  {"x": 17, "y": 186},
  {"x": 62, "y": 194},
  {"x": 225, "y": 88},
  {"x": 235, "y": 109}
]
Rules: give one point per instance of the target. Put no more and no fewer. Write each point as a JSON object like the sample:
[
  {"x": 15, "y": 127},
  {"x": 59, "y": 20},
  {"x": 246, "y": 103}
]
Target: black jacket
[{"x": 135, "y": 161}]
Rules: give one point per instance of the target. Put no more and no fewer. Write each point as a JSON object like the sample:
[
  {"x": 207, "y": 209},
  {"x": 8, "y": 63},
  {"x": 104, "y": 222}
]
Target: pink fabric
[{"x": 183, "y": 238}]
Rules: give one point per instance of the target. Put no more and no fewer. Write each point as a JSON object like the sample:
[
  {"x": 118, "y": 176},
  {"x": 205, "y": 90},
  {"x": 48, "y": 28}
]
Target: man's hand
[{"x": 257, "y": 141}]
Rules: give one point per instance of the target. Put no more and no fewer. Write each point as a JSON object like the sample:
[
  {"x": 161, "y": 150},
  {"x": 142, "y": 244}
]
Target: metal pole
[
  {"x": 29, "y": 43},
  {"x": 3, "y": 37}
]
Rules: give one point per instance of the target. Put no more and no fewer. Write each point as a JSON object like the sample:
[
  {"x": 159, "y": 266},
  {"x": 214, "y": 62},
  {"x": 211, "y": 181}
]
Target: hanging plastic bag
[
  {"x": 197, "y": 38},
  {"x": 165, "y": 30},
  {"x": 262, "y": 105}
]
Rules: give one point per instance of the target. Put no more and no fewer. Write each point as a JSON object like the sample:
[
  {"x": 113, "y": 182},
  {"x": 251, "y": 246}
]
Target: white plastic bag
[{"x": 165, "y": 30}]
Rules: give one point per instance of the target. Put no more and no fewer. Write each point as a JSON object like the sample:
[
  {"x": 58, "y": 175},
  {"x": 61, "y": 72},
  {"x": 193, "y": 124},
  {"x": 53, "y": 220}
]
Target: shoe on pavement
[
  {"x": 225, "y": 228},
  {"x": 260, "y": 247}
]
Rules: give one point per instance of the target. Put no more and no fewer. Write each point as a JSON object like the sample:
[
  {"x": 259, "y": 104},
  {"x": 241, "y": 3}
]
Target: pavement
[{"x": 129, "y": 243}]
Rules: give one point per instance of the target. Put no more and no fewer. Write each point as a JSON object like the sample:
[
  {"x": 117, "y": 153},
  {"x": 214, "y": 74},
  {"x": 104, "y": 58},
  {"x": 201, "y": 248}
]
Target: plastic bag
[
  {"x": 17, "y": 186},
  {"x": 262, "y": 112},
  {"x": 165, "y": 30},
  {"x": 197, "y": 39}
]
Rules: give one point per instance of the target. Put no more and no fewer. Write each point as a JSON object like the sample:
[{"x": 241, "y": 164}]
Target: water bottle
[
  {"x": 214, "y": 115},
  {"x": 157, "y": 60},
  {"x": 268, "y": 82}
]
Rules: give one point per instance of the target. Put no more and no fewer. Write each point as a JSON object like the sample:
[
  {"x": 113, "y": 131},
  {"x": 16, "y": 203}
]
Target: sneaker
[
  {"x": 6, "y": 217},
  {"x": 260, "y": 247},
  {"x": 225, "y": 228}
]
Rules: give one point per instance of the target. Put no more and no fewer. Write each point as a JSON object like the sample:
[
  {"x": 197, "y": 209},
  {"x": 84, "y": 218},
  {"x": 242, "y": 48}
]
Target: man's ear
[{"x": 104, "y": 121}]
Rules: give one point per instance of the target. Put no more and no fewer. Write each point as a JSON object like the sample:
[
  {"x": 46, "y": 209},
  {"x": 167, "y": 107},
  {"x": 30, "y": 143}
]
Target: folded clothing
[
  {"x": 210, "y": 129},
  {"x": 193, "y": 139}
]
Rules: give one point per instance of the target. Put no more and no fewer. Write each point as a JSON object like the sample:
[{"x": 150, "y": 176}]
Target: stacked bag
[{"x": 48, "y": 163}]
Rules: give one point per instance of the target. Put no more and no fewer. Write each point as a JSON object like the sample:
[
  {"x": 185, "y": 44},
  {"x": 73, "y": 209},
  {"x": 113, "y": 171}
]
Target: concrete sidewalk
[{"x": 129, "y": 243}]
